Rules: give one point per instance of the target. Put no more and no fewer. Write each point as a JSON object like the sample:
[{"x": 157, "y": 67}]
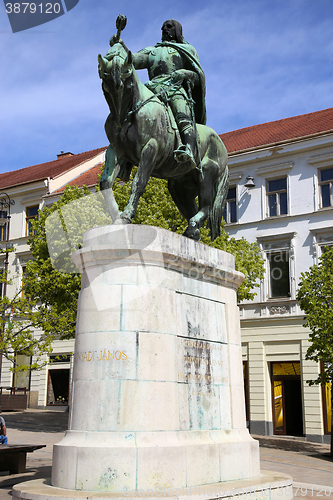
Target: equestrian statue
[{"x": 160, "y": 128}]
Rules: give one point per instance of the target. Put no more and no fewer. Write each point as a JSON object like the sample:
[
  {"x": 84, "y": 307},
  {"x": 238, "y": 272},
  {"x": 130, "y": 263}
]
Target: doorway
[
  {"x": 58, "y": 387},
  {"x": 287, "y": 399}
]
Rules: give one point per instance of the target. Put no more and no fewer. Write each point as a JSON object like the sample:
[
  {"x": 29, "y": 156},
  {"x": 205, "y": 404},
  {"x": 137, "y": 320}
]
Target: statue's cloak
[{"x": 191, "y": 62}]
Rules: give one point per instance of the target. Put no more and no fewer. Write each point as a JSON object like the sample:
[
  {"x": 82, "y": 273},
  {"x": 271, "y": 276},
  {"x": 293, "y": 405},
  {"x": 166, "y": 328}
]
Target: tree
[
  {"x": 44, "y": 308},
  {"x": 52, "y": 279},
  {"x": 19, "y": 320},
  {"x": 315, "y": 295}
]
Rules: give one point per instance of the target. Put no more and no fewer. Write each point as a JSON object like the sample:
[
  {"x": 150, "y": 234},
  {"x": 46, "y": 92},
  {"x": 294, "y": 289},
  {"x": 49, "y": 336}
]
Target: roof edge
[{"x": 272, "y": 144}]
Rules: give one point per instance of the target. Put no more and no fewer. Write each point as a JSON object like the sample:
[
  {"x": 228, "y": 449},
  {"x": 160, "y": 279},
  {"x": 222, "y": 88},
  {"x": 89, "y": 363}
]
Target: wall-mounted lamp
[{"x": 249, "y": 182}]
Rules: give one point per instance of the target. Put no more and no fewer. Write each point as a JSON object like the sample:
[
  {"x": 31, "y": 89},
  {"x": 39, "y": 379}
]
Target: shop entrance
[
  {"x": 58, "y": 387},
  {"x": 287, "y": 399}
]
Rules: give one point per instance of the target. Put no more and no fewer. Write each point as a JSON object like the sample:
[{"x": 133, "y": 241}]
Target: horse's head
[
  {"x": 115, "y": 68},
  {"x": 118, "y": 76}
]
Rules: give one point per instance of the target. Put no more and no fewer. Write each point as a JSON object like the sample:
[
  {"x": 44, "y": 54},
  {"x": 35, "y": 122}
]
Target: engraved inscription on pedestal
[{"x": 203, "y": 373}]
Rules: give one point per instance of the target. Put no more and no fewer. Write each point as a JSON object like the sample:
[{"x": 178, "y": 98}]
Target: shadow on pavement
[
  {"x": 36, "y": 421},
  {"x": 30, "y": 474},
  {"x": 314, "y": 449}
]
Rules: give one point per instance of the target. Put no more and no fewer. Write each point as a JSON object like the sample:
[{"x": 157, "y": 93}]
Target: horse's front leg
[
  {"x": 145, "y": 168},
  {"x": 206, "y": 187},
  {"x": 109, "y": 175}
]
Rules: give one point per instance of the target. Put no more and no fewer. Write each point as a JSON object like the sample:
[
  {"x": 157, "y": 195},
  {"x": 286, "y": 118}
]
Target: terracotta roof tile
[
  {"x": 88, "y": 178},
  {"x": 279, "y": 131},
  {"x": 44, "y": 170}
]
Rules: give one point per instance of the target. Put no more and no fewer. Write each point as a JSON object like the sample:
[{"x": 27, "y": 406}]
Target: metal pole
[{"x": 5, "y": 203}]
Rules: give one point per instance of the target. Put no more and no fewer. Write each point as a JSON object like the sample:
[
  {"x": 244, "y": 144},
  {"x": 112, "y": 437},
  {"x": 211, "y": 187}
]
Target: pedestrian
[{"x": 3, "y": 431}]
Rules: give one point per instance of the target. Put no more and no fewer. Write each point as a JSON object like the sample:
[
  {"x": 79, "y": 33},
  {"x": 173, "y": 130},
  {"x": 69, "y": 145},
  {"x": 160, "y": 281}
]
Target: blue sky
[{"x": 263, "y": 59}]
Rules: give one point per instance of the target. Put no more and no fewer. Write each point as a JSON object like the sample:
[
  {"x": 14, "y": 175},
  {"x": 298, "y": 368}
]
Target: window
[
  {"x": 279, "y": 280},
  {"x": 230, "y": 211},
  {"x": 2, "y": 275},
  {"x": 60, "y": 358},
  {"x": 277, "y": 197},
  {"x": 24, "y": 272},
  {"x": 279, "y": 252},
  {"x": 31, "y": 214},
  {"x": 325, "y": 183},
  {"x": 3, "y": 232},
  {"x": 22, "y": 378},
  {"x": 322, "y": 241},
  {"x": 326, "y": 248}
]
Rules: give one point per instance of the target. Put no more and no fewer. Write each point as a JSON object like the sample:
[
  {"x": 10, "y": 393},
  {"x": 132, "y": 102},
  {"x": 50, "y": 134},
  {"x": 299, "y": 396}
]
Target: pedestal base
[
  {"x": 269, "y": 485},
  {"x": 121, "y": 461}
]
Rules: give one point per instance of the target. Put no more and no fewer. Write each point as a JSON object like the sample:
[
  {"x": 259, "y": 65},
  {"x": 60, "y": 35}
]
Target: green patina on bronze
[{"x": 160, "y": 127}]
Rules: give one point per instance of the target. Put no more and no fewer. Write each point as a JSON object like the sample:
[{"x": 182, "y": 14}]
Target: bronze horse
[{"x": 141, "y": 132}]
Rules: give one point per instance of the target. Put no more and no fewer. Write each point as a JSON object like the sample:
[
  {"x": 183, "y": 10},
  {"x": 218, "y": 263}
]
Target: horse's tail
[{"x": 220, "y": 195}]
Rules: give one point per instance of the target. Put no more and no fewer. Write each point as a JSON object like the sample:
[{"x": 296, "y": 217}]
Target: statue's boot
[
  {"x": 184, "y": 154},
  {"x": 187, "y": 151}
]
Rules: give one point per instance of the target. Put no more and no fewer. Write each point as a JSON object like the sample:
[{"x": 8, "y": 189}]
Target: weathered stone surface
[
  {"x": 273, "y": 485},
  {"x": 157, "y": 397}
]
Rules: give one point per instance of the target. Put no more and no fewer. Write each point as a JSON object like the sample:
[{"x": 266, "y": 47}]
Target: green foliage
[
  {"x": 47, "y": 303},
  {"x": 156, "y": 208},
  {"x": 59, "y": 231},
  {"x": 315, "y": 294},
  {"x": 19, "y": 320}
]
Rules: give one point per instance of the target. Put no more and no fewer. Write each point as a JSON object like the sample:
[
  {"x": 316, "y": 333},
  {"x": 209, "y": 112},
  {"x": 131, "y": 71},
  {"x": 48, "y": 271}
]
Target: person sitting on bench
[{"x": 3, "y": 432}]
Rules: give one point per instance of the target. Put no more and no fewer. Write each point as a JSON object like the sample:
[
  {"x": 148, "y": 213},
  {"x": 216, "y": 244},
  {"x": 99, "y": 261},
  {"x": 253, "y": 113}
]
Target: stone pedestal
[
  {"x": 157, "y": 395},
  {"x": 157, "y": 400}
]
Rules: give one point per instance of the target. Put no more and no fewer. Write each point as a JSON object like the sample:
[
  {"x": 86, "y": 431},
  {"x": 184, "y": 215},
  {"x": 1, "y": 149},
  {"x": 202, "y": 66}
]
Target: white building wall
[{"x": 272, "y": 329}]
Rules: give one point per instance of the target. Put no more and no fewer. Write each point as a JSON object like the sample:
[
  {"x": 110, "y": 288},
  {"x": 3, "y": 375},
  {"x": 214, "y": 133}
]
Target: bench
[{"x": 13, "y": 456}]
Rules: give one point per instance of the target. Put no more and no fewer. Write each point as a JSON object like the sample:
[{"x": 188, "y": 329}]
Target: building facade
[{"x": 280, "y": 196}]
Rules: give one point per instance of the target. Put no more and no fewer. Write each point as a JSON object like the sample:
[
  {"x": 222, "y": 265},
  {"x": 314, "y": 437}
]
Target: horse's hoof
[
  {"x": 194, "y": 234},
  {"x": 121, "y": 221}
]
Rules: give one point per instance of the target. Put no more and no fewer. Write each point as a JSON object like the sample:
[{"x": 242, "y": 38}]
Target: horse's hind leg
[
  {"x": 184, "y": 191},
  {"x": 210, "y": 169}
]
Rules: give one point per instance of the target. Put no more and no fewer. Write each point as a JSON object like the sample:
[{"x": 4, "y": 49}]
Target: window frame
[
  {"x": 23, "y": 275},
  {"x": 277, "y": 193},
  {"x": 319, "y": 163},
  {"x": 227, "y": 207},
  {"x": 270, "y": 173},
  {"x": 321, "y": 238},
  {"x": 271, "y": 278},
  {"x": 3, "y": 231},
  {"x": 28, "y": 219},
  {"x": 322, "y": 183},
  {"x": 274, "y": 244},
  {"x": 23, "y": 375}
]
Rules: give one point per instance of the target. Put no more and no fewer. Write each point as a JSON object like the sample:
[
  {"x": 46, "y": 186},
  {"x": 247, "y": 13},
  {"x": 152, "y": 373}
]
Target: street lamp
[{"x": 5, "y": 202}]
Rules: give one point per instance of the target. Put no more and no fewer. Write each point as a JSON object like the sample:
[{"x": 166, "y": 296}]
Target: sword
[{"x": 191, "y": 101}]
